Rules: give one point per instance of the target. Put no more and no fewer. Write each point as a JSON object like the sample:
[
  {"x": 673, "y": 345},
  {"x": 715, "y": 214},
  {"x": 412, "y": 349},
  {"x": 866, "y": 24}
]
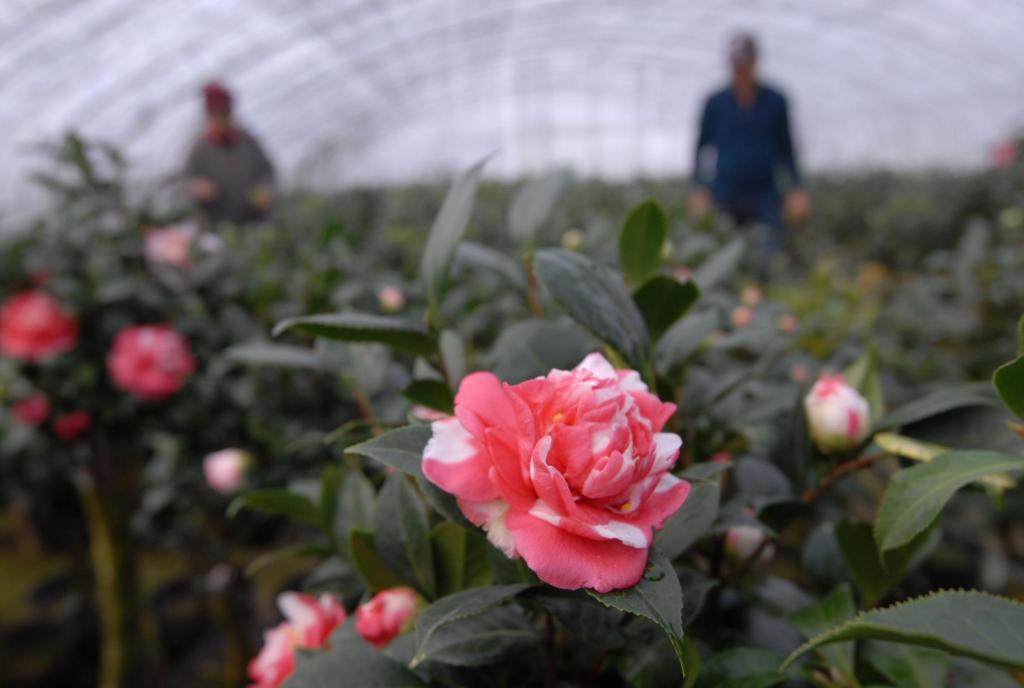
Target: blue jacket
[{"x": 751, "y": 145}]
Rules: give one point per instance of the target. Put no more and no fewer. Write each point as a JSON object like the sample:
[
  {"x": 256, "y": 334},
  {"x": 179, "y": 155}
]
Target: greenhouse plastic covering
[{"x": 346, "y": 92}]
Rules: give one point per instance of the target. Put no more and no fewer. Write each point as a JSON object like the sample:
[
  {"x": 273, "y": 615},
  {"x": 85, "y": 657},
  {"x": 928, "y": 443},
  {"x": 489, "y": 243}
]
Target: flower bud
[
  {"x": 391, "y": 298},
  {"x": 224, "y": 470},
  {"x": 572, "y": 240},
  {"x": 838, "y": 417},
  {"x": 388, "y": 614},
  {"x": 742, "y": 541}
]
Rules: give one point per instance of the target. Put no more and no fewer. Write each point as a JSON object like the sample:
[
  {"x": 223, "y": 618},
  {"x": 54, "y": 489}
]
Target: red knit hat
[{"x": 218, "y": 98}]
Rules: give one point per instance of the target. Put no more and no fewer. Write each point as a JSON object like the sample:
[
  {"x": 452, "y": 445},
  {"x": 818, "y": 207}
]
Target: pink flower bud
[
  {"x": 170, "y": 245},
  {"x": 787, "y": 323},
  {"x": 72, "y": 425},
  {"x": 388, "y": 614},
  {"x": 224, "y": 470},
  {"x": 391, "y": 298},
  {"x": 838, "y": 417},
  {"x": 742, "y": 541},
  {"x": 751, "y": 296},
  {"x": 573, "y": 240},
  {"x": 741, "y": 316},
  {"x": 33, "y": 409}
]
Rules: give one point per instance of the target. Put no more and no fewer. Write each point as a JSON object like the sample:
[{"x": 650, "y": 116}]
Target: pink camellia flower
[
  {"x": 386, "y": 615},
  {"x": 34, "y": 327},
  {"x": 569, "y": 471},
  {"x": 838, "y": 417},
  {"x": 225, "y": 469},
  {"x": 151, "y": 362},
  {"x": 308, "y": 623},
  {"x": 33, "y": 409},
  {"x": 170, "y": 245},
  {"x": 742, "y": 541},
  {"x": 70, "y": 426},
  {"x": 391, "y": 298}
]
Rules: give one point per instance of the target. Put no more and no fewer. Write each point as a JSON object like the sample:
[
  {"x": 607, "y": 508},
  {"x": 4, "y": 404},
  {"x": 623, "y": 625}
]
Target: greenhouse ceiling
[{"x": 373, "y": 91}]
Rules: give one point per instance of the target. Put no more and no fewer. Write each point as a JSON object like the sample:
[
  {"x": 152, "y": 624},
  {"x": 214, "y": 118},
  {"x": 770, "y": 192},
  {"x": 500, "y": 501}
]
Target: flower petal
[
  {"x": 569, "y": 561},
  {"x": 454, "y": 461}
]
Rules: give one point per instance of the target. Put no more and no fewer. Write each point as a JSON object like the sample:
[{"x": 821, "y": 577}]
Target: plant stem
[
  {"x": 838, "y": 472},
  {"x": 117, "y": 584}
]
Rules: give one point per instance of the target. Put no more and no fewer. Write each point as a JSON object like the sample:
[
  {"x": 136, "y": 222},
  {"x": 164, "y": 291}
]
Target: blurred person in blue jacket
[
  {"x": 227, "y": 173},
  {"x": 744, "y": 147}
]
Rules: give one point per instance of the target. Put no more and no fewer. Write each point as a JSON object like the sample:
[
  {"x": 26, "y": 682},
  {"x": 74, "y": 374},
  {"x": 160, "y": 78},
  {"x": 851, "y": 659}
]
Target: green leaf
[
  {"x": 720, "y": 265},
  {"x": 401, "y": 449},
  {"x": 692, "y": 521},
  {"x": 909, "y": 448},
  {"x": 939, "y": 401},
  {"x": 330, "y": 485},
  {"x": 743, "y": 667},
  {"x": 908, "y": 666},
  {"x": 662, "y": 301},
  {"x": 367, "y": 563},
  {"x": 354, "y": 663},
  {"x": 401, "y": 534},
  {"x": 433, "y": 622},
  {"x": 279, "y": 503},
  {"x": 916, "y": 495},
  {"x": 355, "y": 504},
  {"x": 640, "y": 242},
  {"x": 363, "y": 327},
  {"x": 863, "y": 376},
  {"x": 531, "y": 348},
  {"x": 433, "y": 394},
  {"x": 449, "y": 543},
  {"x": 282, "y": 553},
  {"x": 486, "y": 638},
  {"x": 442, "y": 502},
  {"x": 834, "y": 609},
  {"x": 453, "y": 356},
  {"x": 595, "y": 297},
  {"x": 967, "y": 623},
  {"x": 658, "y": 597},
  {"x": 684, "y": 338},
  {"x": 445, "y": 235},
  {"x": 270, "y": 355},
  {"x": 460, "y": 559},
  {"x": 875, "y": 576},
  {"x": 486, "y": 260},
  {"x": 533, "y": 204},
  {"x": 695, "y": 587},
  {"x": 1009, "y": 382}
]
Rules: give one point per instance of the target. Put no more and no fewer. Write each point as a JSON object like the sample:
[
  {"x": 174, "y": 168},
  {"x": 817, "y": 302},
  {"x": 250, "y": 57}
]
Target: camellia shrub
[{"x": 629, "y": 485}]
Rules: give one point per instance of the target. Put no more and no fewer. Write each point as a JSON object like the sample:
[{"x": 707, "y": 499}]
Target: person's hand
[
  {"x": 700, "y": 202},
  {"x": 261, "y": 197},
  {"x": 798, "y": 205},
  {"x": 202, "y": 189}
]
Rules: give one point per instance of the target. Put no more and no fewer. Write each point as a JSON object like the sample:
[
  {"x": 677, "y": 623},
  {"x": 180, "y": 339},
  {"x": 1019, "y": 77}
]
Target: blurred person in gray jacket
[{"x": 228, "y": 175}]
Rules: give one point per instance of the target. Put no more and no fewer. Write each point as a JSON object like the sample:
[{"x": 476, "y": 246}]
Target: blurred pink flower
[
  {"x": 308, "y": 623},
  {"x": 170, "y": 245},
  {"x": 151, "y": 362},
  {"x": 71, "y": 425},
  {"x": 391, "y": 298},
  {"x": 33, "y": 409},
  {"x": 34, "y": 327},
  {"x": 387, "y": 614},
  {"x": 225, "y": 469}
]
